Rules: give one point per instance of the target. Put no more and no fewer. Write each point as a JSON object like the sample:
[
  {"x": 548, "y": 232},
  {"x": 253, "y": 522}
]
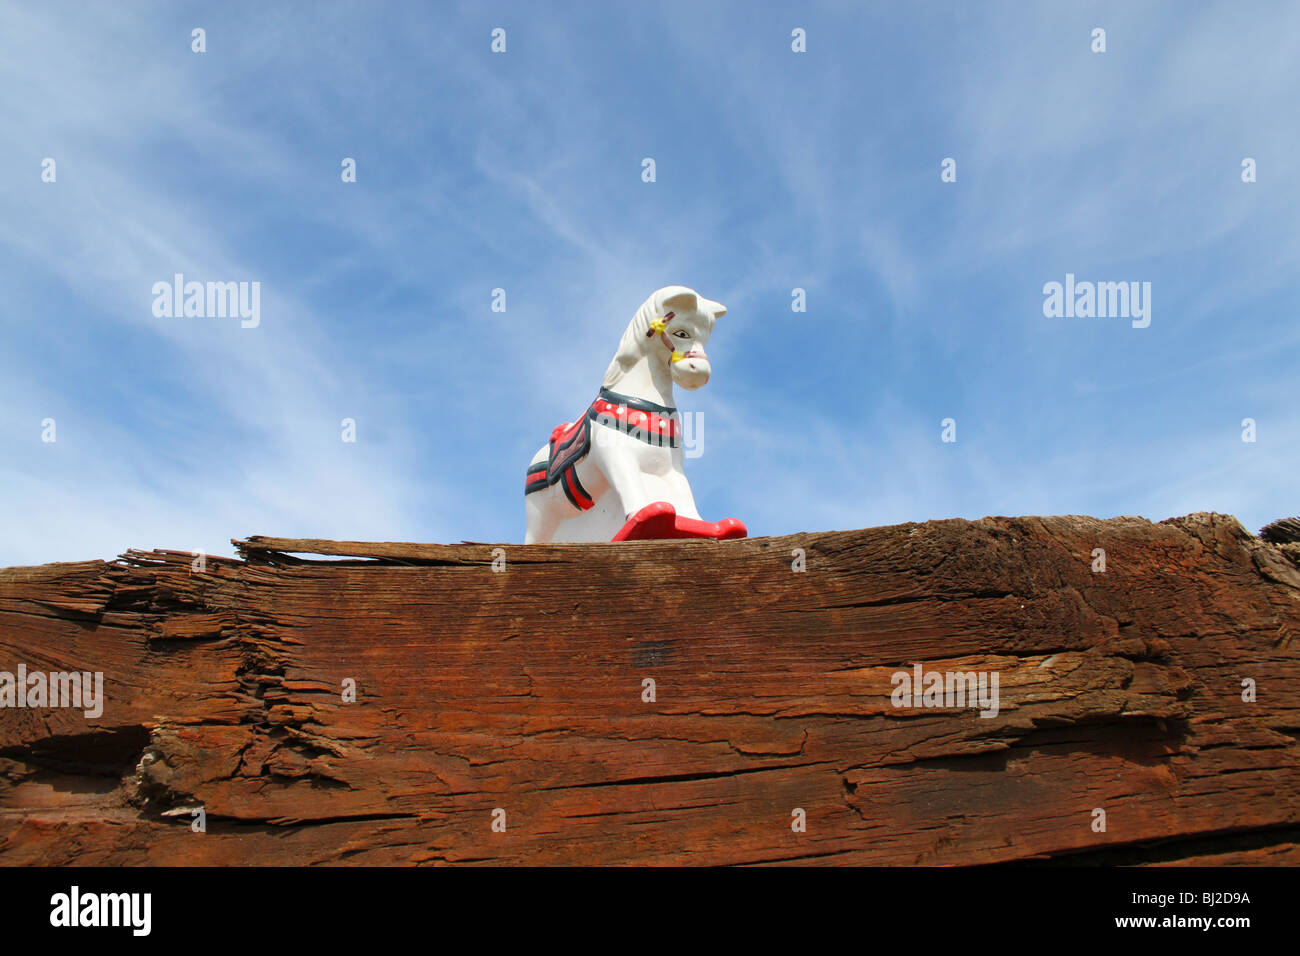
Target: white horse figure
[{"x": 617, "y": 472}]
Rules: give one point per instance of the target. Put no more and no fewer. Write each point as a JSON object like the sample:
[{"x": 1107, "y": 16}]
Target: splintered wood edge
[
  {"x": 263, "y": 548},
  {"x": 260, "y": 546},
  {"x": 1281, "y": 531},
  {"x": 468, "y": 552}
]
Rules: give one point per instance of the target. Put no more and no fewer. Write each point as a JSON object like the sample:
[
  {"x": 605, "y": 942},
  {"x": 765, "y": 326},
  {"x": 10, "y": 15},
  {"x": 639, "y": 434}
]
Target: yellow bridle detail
[{"x": 660, "y": 326}]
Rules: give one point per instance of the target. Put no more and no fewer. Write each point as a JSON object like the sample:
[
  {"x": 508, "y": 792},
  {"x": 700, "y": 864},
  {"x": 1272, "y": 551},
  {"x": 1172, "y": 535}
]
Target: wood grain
[{"x": 521, "y": 689}]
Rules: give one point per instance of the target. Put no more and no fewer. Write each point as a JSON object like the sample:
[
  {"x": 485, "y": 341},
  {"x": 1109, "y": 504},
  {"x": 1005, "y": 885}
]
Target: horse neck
[{"x": 648, "y": 380}]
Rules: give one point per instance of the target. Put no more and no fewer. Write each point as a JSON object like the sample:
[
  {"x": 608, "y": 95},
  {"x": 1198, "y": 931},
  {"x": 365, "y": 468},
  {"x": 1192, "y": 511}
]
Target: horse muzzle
[{"x": 692, "y": 370}]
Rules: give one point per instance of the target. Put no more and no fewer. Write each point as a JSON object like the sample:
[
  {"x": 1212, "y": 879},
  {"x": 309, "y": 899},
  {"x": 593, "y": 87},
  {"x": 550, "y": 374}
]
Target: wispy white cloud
[{"x": 523, "y": 172}]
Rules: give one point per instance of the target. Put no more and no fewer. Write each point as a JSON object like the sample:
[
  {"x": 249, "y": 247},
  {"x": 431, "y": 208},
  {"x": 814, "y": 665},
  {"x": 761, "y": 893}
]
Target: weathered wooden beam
[{"x": 509, "y": 678}]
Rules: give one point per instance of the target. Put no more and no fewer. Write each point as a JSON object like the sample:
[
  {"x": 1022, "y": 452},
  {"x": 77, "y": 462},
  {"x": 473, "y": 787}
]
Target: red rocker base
[{"x": 660, "y": 520}]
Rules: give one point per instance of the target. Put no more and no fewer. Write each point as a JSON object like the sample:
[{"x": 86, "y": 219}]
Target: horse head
[{"x": 670, "y": 329}]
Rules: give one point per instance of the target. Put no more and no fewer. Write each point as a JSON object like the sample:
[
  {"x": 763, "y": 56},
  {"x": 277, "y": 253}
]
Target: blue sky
[{"x": 522, "y": 171}]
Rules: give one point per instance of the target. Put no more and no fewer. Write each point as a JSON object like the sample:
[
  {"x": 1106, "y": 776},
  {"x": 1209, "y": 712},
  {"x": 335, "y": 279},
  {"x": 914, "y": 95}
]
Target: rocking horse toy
[{"x": 616, "y": 474}]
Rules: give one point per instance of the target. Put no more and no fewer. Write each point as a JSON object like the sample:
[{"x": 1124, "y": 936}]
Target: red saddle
[{"x": 569, "y": 445}]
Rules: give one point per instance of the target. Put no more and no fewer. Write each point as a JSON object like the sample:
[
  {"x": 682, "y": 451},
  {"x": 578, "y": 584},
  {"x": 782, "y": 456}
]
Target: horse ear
[
  {"x": 681, "y": 301},
  {"x": 717, "y": 308}
]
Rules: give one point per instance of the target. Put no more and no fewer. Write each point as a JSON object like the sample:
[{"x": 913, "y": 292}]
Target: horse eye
[{"x": 680, "y": 334}]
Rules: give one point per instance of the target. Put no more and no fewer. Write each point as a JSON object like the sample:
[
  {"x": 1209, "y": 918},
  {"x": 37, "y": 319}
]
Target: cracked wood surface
[{"x": 521, "y": 689}]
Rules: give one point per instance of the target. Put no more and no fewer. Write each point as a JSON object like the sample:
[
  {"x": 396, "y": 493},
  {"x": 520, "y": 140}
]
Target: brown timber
[{"x": 523, "y": 688}]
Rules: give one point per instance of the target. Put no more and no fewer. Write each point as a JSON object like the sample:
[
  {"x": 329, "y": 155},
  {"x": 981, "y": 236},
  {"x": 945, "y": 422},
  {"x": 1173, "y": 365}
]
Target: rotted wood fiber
[{"x": 508, "y": 685}]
